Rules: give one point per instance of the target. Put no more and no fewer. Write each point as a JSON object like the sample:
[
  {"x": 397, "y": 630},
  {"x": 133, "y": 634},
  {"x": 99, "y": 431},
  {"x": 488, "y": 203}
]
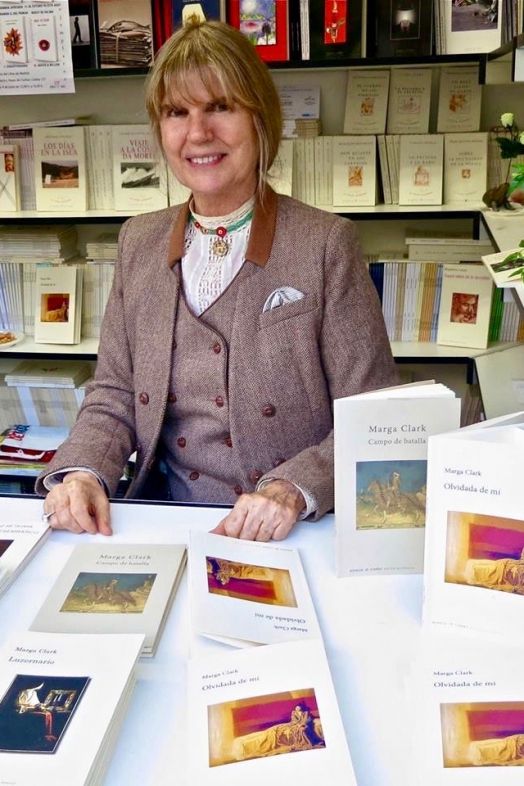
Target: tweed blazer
[{"x": 291, "y": 361}]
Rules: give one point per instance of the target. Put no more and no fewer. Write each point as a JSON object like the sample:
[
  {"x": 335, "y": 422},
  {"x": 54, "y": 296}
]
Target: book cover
[
  {"x": 264, "y": 715},
  {"x": 465, "y": 167},
  {"x": 366, "y": 102},
  {"x": 82, "y": 27},
  {"x": 281, "y": 173},
  {"x": 421, "y": 169},
  {"x": 465, "y": 306},
  {"x": 116, "y": 588},
  {"x": 125, "y": 33},
  {"x": 335, "y": 29},
  {"x": 31, "y": 443},
  {"x": 44, "y": 38},
  {"x": 265, "y": 23},
  {"x": 184, "y": 10},
  {"x": 15, "y": 44},
  {"x": 399, "y": 28},
  {"x": 474, "y": 572},
  {"x": 459, "y": 99},
  {"x": 471, "y": 27},
  {"x": 19, "y": 540},
  {"x": 470, "y": 704},
  {"x": 381, "y": 442},
  {"x": 58, "y": 304},
  {"x": 10, "y": 179},
  {"x": 62, "y": 700},
  {"x": 37, "y": 372},
  {"x": 354, "y": 170},
  {"x": 248, "y": 593},
  {"x": 409, "y": 101},
  {"x": 60, "y": 170},
  {"x": 138, "y": 181}
]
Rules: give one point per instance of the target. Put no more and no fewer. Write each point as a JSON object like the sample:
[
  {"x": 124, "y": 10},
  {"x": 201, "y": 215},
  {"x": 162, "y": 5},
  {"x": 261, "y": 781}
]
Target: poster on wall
[{"x": 35, "y": 54}]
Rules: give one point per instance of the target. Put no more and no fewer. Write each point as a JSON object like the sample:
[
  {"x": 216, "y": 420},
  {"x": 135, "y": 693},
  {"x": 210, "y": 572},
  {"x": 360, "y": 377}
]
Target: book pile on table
[
  {"x": 64, "y": 695},
  {"x": 18, "y": 543}
]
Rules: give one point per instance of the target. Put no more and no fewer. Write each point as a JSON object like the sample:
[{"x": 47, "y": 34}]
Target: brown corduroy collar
[{"x": 260, "y": 237}]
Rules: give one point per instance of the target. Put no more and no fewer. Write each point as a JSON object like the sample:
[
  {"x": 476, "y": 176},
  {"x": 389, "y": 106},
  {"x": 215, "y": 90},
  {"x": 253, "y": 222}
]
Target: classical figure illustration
[{"x": 300, "y": 733}]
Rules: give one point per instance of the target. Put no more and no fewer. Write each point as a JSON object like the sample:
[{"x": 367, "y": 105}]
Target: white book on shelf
[
  {"x": 60, "y": 169},
  {"x": 115, "y": 588},
  {"x": 465, "y": 167},
  {"x": 366, "y": 101},
  {"x": 292, "y": 730},
  {"x": 384, "y": 169},
  {"x": 459, "y": 99},
  {"x": 474, "y": 570},
  {"x": 58, "y": 304},
  {"x": 354, "y": 170},
  {"x": 323, "y": 170},
  {"x": 10, "y": 179},
  {"x": 421, "y": 169},
  {"x": 465, "y": 306},
  {"x": 19, "y": 540},
  {"x": 381, "y": 440},
  {"x": 36, "y": 372},
  {"x": 409, "y": 101},
  {"x": 62, "y": 702},
  {"x": 246, "y": 593},
  {"x": 471, "y": 27},
  {"x": 281, "y": 173},
  {"x": 138, "y": 179}
]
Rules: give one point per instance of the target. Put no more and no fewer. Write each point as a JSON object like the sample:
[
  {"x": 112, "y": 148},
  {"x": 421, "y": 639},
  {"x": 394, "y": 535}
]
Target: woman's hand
[
  {"x": 268, "y": 514},
  {"x": 78, "y": 504}
]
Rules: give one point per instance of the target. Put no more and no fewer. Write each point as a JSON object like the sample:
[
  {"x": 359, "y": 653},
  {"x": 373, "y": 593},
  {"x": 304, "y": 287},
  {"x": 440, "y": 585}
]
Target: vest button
[
  {"x": 229, "y": 442},
  {"x": 194, "y": 475},
  {"x": 268, "y": 411},
  {"x": 278, "y": 461},
  {"x": 143, "y": 398},
  {"x": 255, "y": 475},
  {"x": 181, "y": 442},
  {"x": 171, "y": 398},
  {"x": 237, "y": 489},
  {"x": 217, "y": 349},
  {"x": 219, "y": 401}
]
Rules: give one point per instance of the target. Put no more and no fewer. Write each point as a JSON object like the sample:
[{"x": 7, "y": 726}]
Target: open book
[
  {"x": 243, "y": 592},
  {"x": 114, "y": 588}
]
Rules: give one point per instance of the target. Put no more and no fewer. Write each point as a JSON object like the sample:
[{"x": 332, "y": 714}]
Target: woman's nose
[{"x": 199, "y": 128}]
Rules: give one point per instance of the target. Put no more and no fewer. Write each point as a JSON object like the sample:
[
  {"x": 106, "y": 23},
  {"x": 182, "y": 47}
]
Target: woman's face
[{"x": 211, "y": 147}]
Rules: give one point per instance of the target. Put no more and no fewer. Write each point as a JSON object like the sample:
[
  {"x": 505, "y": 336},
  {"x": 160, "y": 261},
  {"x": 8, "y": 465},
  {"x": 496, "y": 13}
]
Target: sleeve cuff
[
  {"x": 54, "y": 478},
  {"x": 311, "y": 503}
]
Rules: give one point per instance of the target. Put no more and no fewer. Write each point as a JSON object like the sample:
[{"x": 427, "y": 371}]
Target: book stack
[
  {"x": 62, "y": 702},
  {"x": 101, "y": 255},
  {"x": 118, "y": 588},
  {"x": 49, "y": 373},
  {"x": 19, "y": 541},
  {"x": 125, "y": 34},
  {"x": 281, "y": 173},
  {"x": 446, "y": 248}
]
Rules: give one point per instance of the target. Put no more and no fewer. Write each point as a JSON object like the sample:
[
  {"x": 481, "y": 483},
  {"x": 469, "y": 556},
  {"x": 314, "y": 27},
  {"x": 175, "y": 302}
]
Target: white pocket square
[{"x": 282, "y": 296}]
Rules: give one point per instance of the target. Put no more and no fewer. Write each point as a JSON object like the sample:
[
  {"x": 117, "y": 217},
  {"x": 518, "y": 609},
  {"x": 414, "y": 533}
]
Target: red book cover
[
  {"x": 265, "y": 23},
  {"x": 162, "y": 22}
]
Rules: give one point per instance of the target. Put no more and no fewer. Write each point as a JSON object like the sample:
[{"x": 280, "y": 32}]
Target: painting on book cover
[
  {"x": 258, "y": 21},
  {"x": 109, "y": 593},
  {"x": 59, "y": 174},
  {"x": 483, "y": 734},
  {"x": 464, "y": 308},
  {"x": 485, "y": 551},
  {"x": 143, "y": 175},
  {"x": 54, "y": 307},
  {"x": 255, "y": 583},
  {"x": 4, "y": 545},
  {"x": 36, "y": 711},
  {"x": 262, "y": 726},
  {"x": 390, "y": 494},
  {"x": 467, "y": 16},
  {"x": 355, "y": 176},
  {"x": 405, "y": 19},
  {"x": 335, "y": 22}
]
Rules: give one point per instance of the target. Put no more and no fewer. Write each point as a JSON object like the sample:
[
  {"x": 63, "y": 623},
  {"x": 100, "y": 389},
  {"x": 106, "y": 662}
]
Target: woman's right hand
[{"x": 78, "y": 504}]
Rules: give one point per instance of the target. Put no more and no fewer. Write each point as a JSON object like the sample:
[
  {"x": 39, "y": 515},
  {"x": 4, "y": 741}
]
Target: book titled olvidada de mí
[
  {"x": 115, "y": 588},
  {"x": 474, "y": 569},
  {"x": 62, "y": 701},
  {"x": 18, "y": 542},
  {"x": 266, "y": 715},
  {"x": 60, "y": 168},
  {"x": 58, "y": 302},
  {"x": 139, "y": 182},
  {"x": 248, "y": 593},
  {"x": 465, "y": 306},
  {"x": 381, "y": 440},
  {"x": 470, "y": 700}
]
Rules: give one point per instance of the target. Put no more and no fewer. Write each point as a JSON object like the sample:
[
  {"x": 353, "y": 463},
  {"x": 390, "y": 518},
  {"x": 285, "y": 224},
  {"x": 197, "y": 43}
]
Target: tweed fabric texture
[{"x": 289, "y": 363}]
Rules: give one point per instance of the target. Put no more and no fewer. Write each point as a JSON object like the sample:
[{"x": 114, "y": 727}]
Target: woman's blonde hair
[{"x": 217, "y": 51}]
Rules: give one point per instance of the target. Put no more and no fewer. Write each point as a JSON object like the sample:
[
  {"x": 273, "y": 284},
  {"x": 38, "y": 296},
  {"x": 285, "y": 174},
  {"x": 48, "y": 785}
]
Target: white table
[{"x": 370, "y": 626}]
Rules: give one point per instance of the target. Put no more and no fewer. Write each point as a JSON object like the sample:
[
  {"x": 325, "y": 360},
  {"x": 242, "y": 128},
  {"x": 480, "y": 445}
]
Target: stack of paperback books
[{"x": 19, "y": 540}]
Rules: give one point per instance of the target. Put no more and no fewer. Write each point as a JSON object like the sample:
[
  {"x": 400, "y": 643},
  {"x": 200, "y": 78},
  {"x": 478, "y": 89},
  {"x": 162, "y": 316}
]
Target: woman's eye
[
  {"x": 219, "y": 106},
  {"x": 174, "y": 111}
]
